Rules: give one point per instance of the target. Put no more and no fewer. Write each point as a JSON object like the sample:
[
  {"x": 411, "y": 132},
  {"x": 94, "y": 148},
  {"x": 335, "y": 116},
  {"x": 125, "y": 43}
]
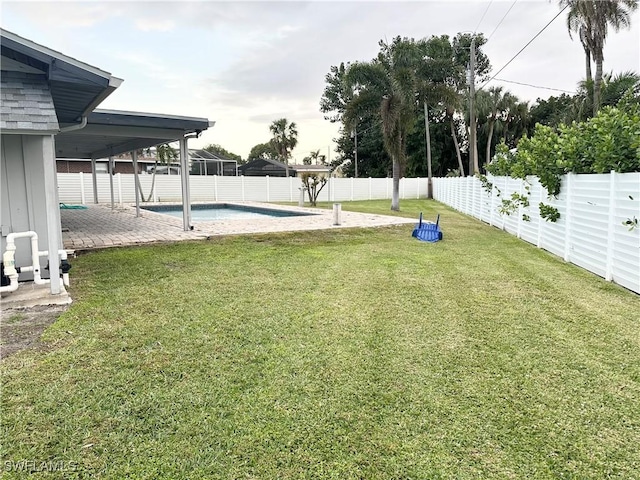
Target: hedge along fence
[
  {"x": 595, "y": 229},
  {"x": 78, "y": 188}
]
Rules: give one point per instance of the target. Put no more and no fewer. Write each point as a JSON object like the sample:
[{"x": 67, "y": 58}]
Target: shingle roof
[{"x": 26, "y": 103}]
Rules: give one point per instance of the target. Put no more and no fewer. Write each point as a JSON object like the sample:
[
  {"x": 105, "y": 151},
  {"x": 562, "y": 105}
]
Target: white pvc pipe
[
  {"x": 10, "y": 270},
  {"x": 35, "y": 258},
  {"x": 8, "y": 258}
]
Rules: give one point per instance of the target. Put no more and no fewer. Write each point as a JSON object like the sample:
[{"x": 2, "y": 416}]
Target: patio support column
[
  {"x": 136, "y": 181},
  {"x": 95, "y": 180},
  {"x": 52, "y": 207},
  {"x": 184, "y": 178},
  {"x": 111, "y": 181}
]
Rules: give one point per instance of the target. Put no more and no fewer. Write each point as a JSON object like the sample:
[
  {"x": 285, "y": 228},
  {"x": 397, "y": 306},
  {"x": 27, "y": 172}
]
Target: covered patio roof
[{"x": 112, "y": 132}]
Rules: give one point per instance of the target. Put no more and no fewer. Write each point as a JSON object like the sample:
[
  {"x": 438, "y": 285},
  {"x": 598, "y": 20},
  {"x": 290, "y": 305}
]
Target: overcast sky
[{"x": 244, "y": 64}]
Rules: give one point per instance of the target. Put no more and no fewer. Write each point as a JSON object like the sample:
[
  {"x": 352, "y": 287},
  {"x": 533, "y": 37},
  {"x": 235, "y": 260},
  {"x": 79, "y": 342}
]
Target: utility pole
[{"x": 472, "y": 112}]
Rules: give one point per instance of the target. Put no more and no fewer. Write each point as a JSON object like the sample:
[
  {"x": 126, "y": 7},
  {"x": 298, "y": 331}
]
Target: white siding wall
[
  {"x": 24, "y": 203},
  {"x": 590, "y": 232}
]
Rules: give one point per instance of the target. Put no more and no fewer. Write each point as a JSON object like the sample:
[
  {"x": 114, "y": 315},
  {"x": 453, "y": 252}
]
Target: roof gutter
[{"x": 77, "y": 126}]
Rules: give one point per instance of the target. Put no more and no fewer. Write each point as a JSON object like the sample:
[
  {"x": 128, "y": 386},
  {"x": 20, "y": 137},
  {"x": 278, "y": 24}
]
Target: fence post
[
  {"x": 418, "y": 188},
  {"x": 369, "y": 188},
  {"x": 541, "y": 221},
  {"x": 610, "y": 230},
  {"x": 291, "y": 189},
  {"x": 215, "y": 187},
  {"x": 519, "y": 229},
  {"x": 155, "y": 192},
  {"x": 492, "y": 204},
  {"x": 82, "y": 196},
  {"x": 268, "y": 193},
  {"x": 473, "y": 196},
  {"x": 352, "y": 179},
  {"x": 567, "y": 220}
]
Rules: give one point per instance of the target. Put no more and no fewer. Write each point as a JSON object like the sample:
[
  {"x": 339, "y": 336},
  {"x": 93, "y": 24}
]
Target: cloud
[
  {"x": 154, "y": 25},
  {"x": 246, "y": 63}
]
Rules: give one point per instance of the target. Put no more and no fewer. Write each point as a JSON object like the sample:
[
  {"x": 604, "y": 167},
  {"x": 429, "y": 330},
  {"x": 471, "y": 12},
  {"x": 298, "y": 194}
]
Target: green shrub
[{"x": 608, "y": 141}]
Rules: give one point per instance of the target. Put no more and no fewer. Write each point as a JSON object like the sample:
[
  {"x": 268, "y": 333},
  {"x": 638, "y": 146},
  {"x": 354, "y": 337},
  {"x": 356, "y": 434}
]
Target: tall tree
[
  {"x": 165, "y": 155},
  {"x": 591, "y": 20},
  {"x": 223, "y": 152},
  {"x": 337, "y": 93},
  {"x": 388, "y": 84},
  {"x": 314, "y": 158},
  {"x": 494, "y": 105},
  {"x": 263, "y": 151},
  {"x": 285, "y": 139}
]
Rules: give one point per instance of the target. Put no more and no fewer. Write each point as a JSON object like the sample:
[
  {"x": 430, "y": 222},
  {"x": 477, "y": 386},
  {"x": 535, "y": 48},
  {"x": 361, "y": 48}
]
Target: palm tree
[
  {"x": 438, "y": 78},
  {"x": 285, "y": 139},
  {"x": 165, "y": 155},
  {"x": 388, "y": 84},
  {"x": 591, "y": 20},
  {"x": 615, "y": 86},
  {"x": 499, "y": 109}
]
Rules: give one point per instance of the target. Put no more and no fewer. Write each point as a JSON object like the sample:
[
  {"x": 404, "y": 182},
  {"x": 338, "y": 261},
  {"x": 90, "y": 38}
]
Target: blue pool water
[{"x": 223, "y": 211}]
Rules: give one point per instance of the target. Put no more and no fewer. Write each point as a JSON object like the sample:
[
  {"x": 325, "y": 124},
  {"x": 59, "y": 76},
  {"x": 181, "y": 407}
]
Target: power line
[
  {"x": 502, "y": 19},
  {"x": 482, "y": 18},
  {"x": 534, "y": 86},
  {"x": 522, "y": 49}
]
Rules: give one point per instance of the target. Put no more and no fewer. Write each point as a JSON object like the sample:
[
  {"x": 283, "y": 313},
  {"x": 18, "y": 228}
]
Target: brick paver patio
[{"x": 100, "y": 227}]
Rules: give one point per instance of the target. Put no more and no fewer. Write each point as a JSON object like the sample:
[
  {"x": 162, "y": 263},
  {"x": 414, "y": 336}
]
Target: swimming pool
[{"x": 224, "y": 211}]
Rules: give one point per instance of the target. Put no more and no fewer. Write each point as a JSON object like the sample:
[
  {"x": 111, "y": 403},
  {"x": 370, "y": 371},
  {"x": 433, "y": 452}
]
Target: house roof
[
  {"x": 311, "y": 168},
  {"x": 76, "y": 88},
  {"x": 264, "y": 166},
  {"x": 112, "y": 132},
  {"x": 26, "y": 103}
]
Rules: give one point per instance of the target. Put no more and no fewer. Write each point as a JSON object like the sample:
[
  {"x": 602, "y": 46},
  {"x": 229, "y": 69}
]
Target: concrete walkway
[{"x": 100, "y": 227}]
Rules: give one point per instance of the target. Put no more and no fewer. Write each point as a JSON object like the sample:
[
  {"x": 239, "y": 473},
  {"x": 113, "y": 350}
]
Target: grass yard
[{"x": 345, "y": 354}]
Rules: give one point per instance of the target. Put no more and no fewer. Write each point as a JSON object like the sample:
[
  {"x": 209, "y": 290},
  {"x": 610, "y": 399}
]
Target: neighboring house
[
  {"x": 77, "y": 165},
  {"x": 204, "y": 162},
  {"x": 48, "y": 111},
  {"x": 201, "y": 163},
  {"x": 264, "y": 167},
  {"x": 321, "y": 170}
]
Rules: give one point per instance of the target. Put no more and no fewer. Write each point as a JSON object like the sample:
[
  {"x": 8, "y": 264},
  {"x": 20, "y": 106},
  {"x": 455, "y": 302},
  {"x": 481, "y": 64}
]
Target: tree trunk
[
  {"x": 428, "y": 135},
  {"x": 597, "y": 85},
  {"x": 395, "y": 195},
  {"x": 455, "y": 143},
  {"x": 139, "y": 187},
  {"x": 587, "y": 55},
  {"x": 153, "y": 182},
  {"x": 490, "y": 137}
]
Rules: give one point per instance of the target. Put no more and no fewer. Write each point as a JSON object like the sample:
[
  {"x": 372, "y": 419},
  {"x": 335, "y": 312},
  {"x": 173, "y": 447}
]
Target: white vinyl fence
[
  {"x": 74, "y": 188},
  {"x": 590, "y": 231}
]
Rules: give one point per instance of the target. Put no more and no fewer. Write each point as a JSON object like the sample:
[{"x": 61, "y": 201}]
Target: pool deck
[{"x": 101, "y": 227}]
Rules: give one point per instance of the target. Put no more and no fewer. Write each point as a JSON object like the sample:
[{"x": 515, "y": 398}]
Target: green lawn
[{"x": 341, "y": 354}]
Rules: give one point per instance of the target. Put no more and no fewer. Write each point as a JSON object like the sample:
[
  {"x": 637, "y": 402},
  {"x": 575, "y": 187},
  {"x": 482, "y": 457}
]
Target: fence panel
[{"x": 590, "y": 231}]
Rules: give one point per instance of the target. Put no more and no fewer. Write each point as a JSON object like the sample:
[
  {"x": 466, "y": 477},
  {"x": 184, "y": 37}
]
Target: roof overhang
[
  {"x": 112, "y": 132},
  {"x": 76, "y": 87}
]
